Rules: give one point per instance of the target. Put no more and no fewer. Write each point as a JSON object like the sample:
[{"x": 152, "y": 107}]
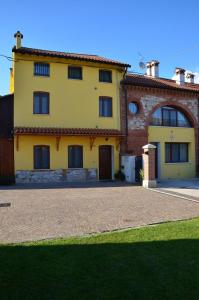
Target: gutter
[{"x": 126, "y": 115}]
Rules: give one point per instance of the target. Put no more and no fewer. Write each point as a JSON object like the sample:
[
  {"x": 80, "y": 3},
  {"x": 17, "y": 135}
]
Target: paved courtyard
[
  {"x": 38, "y": 212},
  {"x": 186, "y": 187}
]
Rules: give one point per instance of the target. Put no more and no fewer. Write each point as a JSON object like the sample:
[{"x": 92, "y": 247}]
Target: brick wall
[{"x": 148, "y": 100}]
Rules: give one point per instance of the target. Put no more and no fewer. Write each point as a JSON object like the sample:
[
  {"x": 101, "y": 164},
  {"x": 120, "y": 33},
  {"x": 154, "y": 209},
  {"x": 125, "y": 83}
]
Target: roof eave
[
  {"x": 67, "y": 131},
  {"x": 177, "y": 89},
  {"x": 72, "y": 58}
]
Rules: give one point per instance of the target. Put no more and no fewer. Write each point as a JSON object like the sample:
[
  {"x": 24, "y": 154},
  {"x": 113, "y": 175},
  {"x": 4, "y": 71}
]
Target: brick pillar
[{"x": 149, "y": 166}]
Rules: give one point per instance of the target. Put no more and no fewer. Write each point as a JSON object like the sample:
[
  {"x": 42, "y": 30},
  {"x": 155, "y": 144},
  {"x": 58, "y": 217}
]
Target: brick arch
[
  {"x": 190, "y": 117},
  {"x": 177, "y": 105}
]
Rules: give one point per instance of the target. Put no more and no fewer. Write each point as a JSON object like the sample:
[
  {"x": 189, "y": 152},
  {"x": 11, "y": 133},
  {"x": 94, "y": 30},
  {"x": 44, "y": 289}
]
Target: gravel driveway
[{"x": 39, "y": 212}]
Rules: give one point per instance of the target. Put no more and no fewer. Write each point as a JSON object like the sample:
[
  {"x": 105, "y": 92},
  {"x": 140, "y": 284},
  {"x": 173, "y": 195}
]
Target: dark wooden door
[
  {"x": 105, "y": 162},
  {"x": 7, "y": 161}
]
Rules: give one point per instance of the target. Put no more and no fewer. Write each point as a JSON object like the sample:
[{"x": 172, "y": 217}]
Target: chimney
[
  {"x": 18, "y": 36},
  {"x": 190, "y": 77},
  {"x": 180, "y": 75},
  {"x": 148, "y": 69},
  {"x": 155, "y": 68}
]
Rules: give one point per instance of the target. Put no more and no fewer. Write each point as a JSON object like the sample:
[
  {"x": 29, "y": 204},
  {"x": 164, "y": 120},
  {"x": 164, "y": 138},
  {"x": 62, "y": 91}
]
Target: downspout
[
  {"x": 126, "y": 110},
  {"x": 197, "y": 150},
  {"x": 125, "y": 71},
  {"x": 126, "y": 116}
]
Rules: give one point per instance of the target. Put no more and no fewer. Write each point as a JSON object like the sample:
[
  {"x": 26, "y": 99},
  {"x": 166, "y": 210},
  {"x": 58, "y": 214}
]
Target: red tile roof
[
  {"x": 158, "y": 82},
  {"x": 66, "y": 131},
  {"x": 68, "y": 55}
]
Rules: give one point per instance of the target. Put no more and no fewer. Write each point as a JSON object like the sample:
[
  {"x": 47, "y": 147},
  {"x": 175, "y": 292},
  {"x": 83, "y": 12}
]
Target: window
[
  {"x": 41, "y": 69},
  {"x": 41, "y": 103},
  {"x": 75, "y": 72},
  {"x": 133, "y": 108},
  {"x": 105, "y": 107},
  {"x": 105, "y": 76},
  {"x": 176, "y": 152},
  {"x": 41, "y": 157},
  {"x": 169, "y": 116},
  {"x": 75, "y": 156}
]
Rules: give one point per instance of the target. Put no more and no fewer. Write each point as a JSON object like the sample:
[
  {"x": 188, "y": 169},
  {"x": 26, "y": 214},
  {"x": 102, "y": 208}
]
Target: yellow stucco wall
[
  {"x": 173, "y": 134},
  {"x": 59, "y": 159},
  {"x": 73, "y": 103},
  {"x": 11, "y": 88}
]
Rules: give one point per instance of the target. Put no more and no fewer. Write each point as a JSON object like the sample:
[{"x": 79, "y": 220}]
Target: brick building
[{"x": 165, "y": 113}]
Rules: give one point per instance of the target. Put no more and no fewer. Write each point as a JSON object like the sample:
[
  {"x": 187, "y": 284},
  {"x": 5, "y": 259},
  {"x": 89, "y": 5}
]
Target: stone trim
[{"x": 59, "y": 175}]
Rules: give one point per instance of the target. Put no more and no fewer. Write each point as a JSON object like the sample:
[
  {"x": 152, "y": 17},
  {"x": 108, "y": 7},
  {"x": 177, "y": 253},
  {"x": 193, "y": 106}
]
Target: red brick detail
[
  {"x": 149, "y": 164},
  {"x": 136, "y": 138}
]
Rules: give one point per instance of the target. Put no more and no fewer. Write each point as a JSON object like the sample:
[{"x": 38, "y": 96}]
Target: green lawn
[{"x": 156, "y": 262}]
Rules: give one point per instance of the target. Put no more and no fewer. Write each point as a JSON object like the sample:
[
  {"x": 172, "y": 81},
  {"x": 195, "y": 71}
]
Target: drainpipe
[
  {"x": 125, "y": 71},
  {"x": 197, "y": 149},
  {"x": 126, "y": 115}
]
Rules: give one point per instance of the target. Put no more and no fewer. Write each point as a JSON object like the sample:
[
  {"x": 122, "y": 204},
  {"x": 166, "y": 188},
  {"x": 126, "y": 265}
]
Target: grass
[{"x": 154, "y": 262}]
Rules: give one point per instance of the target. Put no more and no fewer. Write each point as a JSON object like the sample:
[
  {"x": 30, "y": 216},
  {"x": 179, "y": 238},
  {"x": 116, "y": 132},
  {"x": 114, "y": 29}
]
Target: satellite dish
[{"x": 142, "y": 65}]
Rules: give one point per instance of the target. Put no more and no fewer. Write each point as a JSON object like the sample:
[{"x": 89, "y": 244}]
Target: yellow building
[{"x": 66, "y": 115}]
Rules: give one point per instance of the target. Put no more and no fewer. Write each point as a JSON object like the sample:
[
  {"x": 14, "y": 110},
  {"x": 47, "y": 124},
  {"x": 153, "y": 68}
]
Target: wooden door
[
  {"x": 7, "y": 161},
  {"x": 105, "y": 162}
]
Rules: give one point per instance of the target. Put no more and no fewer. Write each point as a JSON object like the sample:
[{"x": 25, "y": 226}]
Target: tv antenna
[{"x": 142, "y": 64}]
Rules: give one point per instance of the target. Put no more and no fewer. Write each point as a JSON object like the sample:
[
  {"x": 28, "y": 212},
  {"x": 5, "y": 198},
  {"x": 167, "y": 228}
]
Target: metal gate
[{"x": 138, "y": 167}]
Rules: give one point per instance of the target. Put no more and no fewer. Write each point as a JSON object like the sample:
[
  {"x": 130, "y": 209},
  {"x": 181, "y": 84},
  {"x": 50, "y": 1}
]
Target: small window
[
  {"x": 75, "y": 72},
  {"x": 75, "y": 157},
  {"x": 176, "y": 152},
  {"x": 41, "y": 69},
  {"x": 105, "y": 107},
  {"x": 105, "y": 76},
  {"x": 41, "y": 157},
  {"x": 41, "y": 103},
  {"x": 133, "y": 108}
]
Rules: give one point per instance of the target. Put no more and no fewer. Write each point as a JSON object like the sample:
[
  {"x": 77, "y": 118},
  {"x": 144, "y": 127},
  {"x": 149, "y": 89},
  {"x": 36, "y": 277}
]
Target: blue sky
[{"x": 163, "y": 30}]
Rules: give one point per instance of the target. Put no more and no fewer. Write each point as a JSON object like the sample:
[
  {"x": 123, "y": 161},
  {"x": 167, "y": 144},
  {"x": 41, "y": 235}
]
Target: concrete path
[
  {"x": 34, "y": 212},
  {"x": 187, "y": 188}
]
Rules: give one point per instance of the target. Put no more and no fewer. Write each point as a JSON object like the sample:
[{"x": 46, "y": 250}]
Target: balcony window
[
  {"x": 41, "y": 103},
  {"x": 105, "y": 107}
]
